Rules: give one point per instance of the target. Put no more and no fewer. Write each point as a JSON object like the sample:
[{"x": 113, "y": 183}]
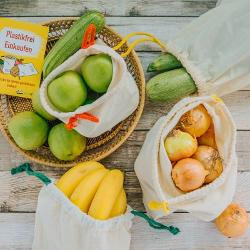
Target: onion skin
[
  {"x": 208, "y": 139},
  {"x": 210, "y": 159},
  {"x": 233, "y": 221},
  {"x": 188, "y": 174},
  {"x": 180, "y": 145},
  {"x": 196, "y": 121}
]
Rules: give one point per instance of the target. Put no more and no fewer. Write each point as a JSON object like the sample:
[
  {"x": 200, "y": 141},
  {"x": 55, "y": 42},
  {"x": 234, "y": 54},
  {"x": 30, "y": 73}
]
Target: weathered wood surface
[
  {"x": 16, "y": 232},
  {"x": 163, "y": 18},
  {"x": 124, "y": 157},
  {"x": 167, "y": 27},
  {"x": 110, "y": 8},
  {"x": 19, "y": 193}
]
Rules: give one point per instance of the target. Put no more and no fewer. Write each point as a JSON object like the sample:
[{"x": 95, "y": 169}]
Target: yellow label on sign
[{"x": 22, "y": 48}]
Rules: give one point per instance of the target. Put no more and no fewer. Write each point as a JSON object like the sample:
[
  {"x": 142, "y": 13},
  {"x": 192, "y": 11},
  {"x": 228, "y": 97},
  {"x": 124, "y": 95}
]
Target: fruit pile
[
  {"x": 96, "y": 190},
  {"x": 30, "y": 131},
  {"x": 192, "y": 150},
  {"x": 68, "y": 91}
]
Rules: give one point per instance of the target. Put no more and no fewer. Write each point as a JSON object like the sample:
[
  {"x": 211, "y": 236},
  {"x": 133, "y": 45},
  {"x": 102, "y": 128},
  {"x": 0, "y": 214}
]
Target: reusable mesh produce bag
[
  {"x": 60, "y": 225},
  {"x": 120, "y": 100},
  {"x": 153, "y": 167},
  {"x": 215, "y": 48}
]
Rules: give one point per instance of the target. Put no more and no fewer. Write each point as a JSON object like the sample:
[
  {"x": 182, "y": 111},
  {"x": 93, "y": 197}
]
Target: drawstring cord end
[
  {"x": 26, "y": 167},
  {"x": 154, "y": 224},
  {"x": 156, "y": 205}
]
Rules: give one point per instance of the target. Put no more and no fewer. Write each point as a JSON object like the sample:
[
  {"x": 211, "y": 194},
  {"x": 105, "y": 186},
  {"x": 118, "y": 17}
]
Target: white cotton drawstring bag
[
  {"x": 153, "y": 167},
  {"x": 60, "y": 225},
  {"x": 120, "y": 100},
  {"x": 215, "y": 48}
]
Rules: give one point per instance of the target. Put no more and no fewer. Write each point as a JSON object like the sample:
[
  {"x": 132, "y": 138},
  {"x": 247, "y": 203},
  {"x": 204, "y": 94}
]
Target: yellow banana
[
  {"x": 120, "y": 205},
  {"x": 86, "y": 190},
  {"x": 106, "y": 195},
  {"x": 69, "y": 181}
]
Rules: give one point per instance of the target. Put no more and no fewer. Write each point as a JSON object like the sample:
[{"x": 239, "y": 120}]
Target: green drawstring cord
[
  {"x": 27, "y": 168},
  {"x": 154, "y": 224}
]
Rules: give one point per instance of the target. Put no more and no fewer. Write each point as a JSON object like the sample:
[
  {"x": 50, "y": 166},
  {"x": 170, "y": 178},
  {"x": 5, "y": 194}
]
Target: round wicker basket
[{"x": 99, "y": 147}]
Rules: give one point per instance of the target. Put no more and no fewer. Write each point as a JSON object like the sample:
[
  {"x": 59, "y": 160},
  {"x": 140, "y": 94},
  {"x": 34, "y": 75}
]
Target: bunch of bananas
[{"x": 96, "y": 190}]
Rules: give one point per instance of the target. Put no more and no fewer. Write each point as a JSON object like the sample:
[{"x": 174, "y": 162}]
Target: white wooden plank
[
  {"x": 194, "y": 234},
  {"x": 111, "y": 7},
  {"x": 167, "y": 27},
  {"x": 16, "y": 232},
  {"x": 19, "y": 193},
  {"x": 125, "y": 156}
]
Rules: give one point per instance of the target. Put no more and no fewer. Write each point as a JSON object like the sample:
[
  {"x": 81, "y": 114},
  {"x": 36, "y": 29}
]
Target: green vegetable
[
  {"x": 67, "y": 92},
  {"x": 164, "y": 62},
  {"x": 72, "y": 40},
  {"x": 97, "y": 71},
  {"x": 38, "y": 107},
  {"x": 65, "y": 144},
  {"x": 29, "y": 130},
  {"x": 170, "y": 86}
]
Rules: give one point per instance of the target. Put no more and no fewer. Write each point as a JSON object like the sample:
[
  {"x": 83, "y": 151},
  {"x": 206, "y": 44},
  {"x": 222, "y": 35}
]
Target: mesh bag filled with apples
[{"x": 92, "y": 91}]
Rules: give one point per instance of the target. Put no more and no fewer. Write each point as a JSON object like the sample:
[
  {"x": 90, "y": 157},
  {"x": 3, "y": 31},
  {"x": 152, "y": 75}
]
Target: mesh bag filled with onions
[{"x": 188, "y": 160}]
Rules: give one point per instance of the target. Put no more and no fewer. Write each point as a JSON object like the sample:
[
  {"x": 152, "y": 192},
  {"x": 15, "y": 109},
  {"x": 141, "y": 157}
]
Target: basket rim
[{"x": 139, "y": 111}]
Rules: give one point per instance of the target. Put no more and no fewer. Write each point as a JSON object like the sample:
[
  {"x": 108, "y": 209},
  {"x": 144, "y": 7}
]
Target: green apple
[
  {"x": 28, "y": 130},
  {"x": 37, "y": 106},
  {"x": 68, "y": 91},
  {"x": 97, "y": 71},
  {"x": 66, "y": 144}
]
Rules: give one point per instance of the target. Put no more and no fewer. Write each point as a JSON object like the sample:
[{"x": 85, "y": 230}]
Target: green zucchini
[
  {"x": 170, "y": 86},
  {"x": 72, "y": 40},
  {"x": 164, "y": 62}
]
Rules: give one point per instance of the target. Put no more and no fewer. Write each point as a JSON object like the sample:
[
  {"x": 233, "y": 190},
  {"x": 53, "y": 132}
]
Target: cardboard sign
[{"x": 22, "y": 48}]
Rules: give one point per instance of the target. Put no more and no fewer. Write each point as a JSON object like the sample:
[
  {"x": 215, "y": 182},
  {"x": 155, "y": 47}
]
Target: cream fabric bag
[
  {"x": 215, "y": 48},
  {"x": 153, "y": 167},
  {"x": 60, "y": 225},
  {"x": 120, "y": 100}
]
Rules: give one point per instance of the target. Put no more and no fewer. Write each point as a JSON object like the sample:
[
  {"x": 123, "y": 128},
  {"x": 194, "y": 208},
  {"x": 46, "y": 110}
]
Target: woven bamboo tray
[{"x": 99, "y": 147}]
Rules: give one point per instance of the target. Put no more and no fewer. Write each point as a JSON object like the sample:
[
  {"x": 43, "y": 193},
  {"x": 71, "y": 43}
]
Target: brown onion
[
  {"x": 179, "y": 145},
  {"x": 188, "y": 174},
  {"x": 196, "y": 121},
  {"x": 208, "y": 139},
  {"x": 233, "y": 221},
  {"x": 211, "y": 160}
]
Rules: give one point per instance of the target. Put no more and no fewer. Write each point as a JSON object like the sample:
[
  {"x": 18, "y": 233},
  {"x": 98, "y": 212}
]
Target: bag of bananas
[{"x": 86, "y": 209}]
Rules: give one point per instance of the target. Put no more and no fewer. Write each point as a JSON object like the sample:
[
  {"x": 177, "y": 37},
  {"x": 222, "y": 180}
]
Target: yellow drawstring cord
[
  {"x": 158, "y": 205},
  {"x": 150, "y": 38},
  {"x": 216, "y": 98}
]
